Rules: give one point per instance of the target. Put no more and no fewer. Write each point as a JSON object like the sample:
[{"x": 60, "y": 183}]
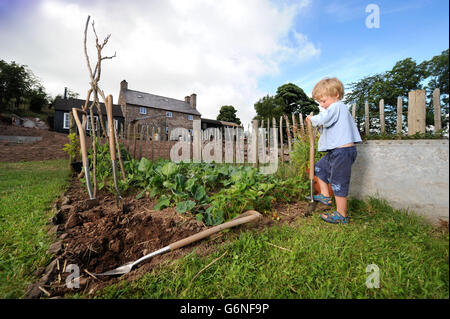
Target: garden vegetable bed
[{"x": 100, "y": 238}]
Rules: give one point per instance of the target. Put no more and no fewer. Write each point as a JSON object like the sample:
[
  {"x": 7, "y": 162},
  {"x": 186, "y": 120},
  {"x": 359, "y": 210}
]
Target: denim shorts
[{"x": 335, "y": 169}]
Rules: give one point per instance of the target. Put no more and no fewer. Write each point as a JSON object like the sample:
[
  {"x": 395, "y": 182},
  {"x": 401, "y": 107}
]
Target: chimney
[
  {"x": 187, "y": 99},
  {"x": 123, "y": 85},
  {"x": 65, "y": 93},
  {"x": 193, "y": 100}
]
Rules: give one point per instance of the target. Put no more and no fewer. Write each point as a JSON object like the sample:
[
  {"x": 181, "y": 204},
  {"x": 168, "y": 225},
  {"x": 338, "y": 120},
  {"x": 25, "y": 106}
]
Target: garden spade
[
  {"x": 92, "y": 200},
  {"x": 112, "y": 149},
  {"x": 312, "y": 204},
  {"x": 246, "y": 217}
]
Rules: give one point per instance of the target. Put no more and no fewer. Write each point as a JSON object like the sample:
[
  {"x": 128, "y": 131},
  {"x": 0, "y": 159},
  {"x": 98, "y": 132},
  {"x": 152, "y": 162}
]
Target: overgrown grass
[
  {"x": 27, "y": 190},
  {"x": 321, "y": 261}
]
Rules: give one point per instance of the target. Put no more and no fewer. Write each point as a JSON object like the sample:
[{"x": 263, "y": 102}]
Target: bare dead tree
[{"x": 94, "y": 76}]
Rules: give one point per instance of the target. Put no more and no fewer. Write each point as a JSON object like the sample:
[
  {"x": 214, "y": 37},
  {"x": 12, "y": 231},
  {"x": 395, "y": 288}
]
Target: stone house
[{"x": 158, "y": 111}]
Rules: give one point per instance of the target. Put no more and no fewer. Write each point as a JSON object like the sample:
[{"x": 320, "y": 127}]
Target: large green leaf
[
  {"x": 183, "y": 207},
  {"x": 162, "y": 204},
  {"x": 169, "y": 169},
  {"x": 144, "y": 165},
  {"x": 200, "y": 193}
]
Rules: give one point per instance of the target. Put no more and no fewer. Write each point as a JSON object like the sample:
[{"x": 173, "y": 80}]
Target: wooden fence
[
  {"x": 143, "y": 140},
  {"x": 416, "y": 120}
]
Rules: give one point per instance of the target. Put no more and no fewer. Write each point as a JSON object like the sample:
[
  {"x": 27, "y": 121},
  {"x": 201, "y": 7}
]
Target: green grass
[
  {"x": 323, "y": 261},
  {"x": 27, "y": 190}
]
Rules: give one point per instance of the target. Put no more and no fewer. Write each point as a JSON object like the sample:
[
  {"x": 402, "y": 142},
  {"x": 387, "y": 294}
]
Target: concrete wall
[{"x": 409, "y": 174}]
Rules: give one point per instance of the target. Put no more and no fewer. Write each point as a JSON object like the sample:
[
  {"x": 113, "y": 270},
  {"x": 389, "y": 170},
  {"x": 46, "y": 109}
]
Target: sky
[{"x": 229, "y": 52}]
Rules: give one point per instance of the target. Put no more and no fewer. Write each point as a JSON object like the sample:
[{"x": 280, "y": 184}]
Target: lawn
[
  {"x": 312, "y": 260},
  {"x": 27, "y": 190}
]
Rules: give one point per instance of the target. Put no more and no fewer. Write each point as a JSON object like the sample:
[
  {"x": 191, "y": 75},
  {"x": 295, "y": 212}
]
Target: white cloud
[{"x": 217, "y": 49}]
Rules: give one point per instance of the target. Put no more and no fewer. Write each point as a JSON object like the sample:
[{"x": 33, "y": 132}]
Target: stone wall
[
  {"x": 409, "y": 174},
  {"x": 178, "y": 119}
]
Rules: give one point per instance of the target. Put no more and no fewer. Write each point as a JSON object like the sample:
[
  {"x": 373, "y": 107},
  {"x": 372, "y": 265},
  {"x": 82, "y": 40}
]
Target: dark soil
[{"x": 103, "y": 237}]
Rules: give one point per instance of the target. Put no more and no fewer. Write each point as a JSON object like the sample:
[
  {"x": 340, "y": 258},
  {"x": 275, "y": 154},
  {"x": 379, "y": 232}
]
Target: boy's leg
[
  {"x": 323, "y": 187},
  {"x": 322, "y": 172},
  {"x": 342, "y": 162},
  {"x": 341, "y": 205}
]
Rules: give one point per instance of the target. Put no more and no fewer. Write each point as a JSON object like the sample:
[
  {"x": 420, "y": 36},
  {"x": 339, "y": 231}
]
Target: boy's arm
[{"x": 327, "y": 117}]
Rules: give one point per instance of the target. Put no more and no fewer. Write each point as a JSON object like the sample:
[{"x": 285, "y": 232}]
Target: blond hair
[{"x": 328, "y": 87}]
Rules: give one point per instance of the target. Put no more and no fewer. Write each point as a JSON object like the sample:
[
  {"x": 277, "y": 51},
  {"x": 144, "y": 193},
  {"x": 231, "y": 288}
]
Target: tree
[
  {"x": 268, "y": 107},
  {"x": 289, "y": 99},
  {"x": 405, "y": 76},
  {"x": 228, "y": 113},
  {"x": 295, "y": 100},
  {"x": 38, "y": 99},
  {"x": 18, "y": 85}
]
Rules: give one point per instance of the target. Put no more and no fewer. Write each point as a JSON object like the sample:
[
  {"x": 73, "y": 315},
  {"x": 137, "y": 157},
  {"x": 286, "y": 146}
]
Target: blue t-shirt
[{"x": 339, "y": 128}]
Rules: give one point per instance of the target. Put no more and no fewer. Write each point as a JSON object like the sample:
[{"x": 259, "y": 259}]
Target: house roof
[
  {"x": 220, "y": 123},
  {"x": 62, "y": 104},
  {"x": 158, "y": 102}
]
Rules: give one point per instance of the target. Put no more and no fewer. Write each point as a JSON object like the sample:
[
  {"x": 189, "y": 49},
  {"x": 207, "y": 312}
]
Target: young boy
[{"x": 337, "y": 138}]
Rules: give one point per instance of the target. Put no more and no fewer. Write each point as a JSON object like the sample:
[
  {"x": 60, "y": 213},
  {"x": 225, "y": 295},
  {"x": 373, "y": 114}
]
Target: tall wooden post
[
  {"x": 281, "y": 140},
  {"x": 153, "y": 138},
  {"x": 399, "y": 115},
  {"x": 302, "y": 127},
  {"x": 254, "y": 145},
  {"x": 416, "y": 112},
  {"x": 354, "y": 111},
  {"x": 288, "y": 131},
  {"x": 367, "y": 117},
  {"x": 382, "y": 124},
  {"x": 437, "y": 109},
  {"x": 134, "y": 140},
  {"x": 294, "y": 124}
]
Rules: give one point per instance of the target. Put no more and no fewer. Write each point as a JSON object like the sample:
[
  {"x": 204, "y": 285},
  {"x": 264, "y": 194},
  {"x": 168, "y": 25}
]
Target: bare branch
[
  {"x": 109, "y": 57},
  {"x": 91, "y": 75}
]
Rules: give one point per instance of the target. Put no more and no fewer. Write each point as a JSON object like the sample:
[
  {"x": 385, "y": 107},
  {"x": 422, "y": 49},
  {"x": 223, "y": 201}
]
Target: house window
[
  {"x": 66, "y": 121},
  {"x": 88, "y": 126},
  {"x": 169, "y": 114},
  {"x": 143, "y": 110},
  {"x": 190, "y": 117}
]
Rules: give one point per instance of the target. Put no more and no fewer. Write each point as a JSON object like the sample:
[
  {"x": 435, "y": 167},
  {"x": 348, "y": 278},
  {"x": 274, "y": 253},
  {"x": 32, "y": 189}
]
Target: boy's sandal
[
  {"x": 335, "y": 218},
  {"x": 323, "y": 199}
]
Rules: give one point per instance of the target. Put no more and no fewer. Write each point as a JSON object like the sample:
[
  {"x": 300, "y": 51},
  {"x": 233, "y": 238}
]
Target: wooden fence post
[
  {"x": 153, "y": 138},
  {"x": 437, "y": 109},
  {"x": 288, "y": 131},
  {"x": 141, "y": 140},
  {"x": 367, "y": 117},
  {"x": 197, "y": 141},
  {"x": 294, "y": 124},
  {"x": 354, "y": 111},
  {"x": 134, "y": 140},
  {"x": 416, "y": 112},
  {"x": 254, "y": 145},
  {"x": 159, "y": 142},
  {"x": 302, "y": 126},
  {"x": 128, "y": 137},
  {"x": 382, "y": 124},
  {"x": 281, "y": 140},
  {"x": 399, "y": 115}
]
